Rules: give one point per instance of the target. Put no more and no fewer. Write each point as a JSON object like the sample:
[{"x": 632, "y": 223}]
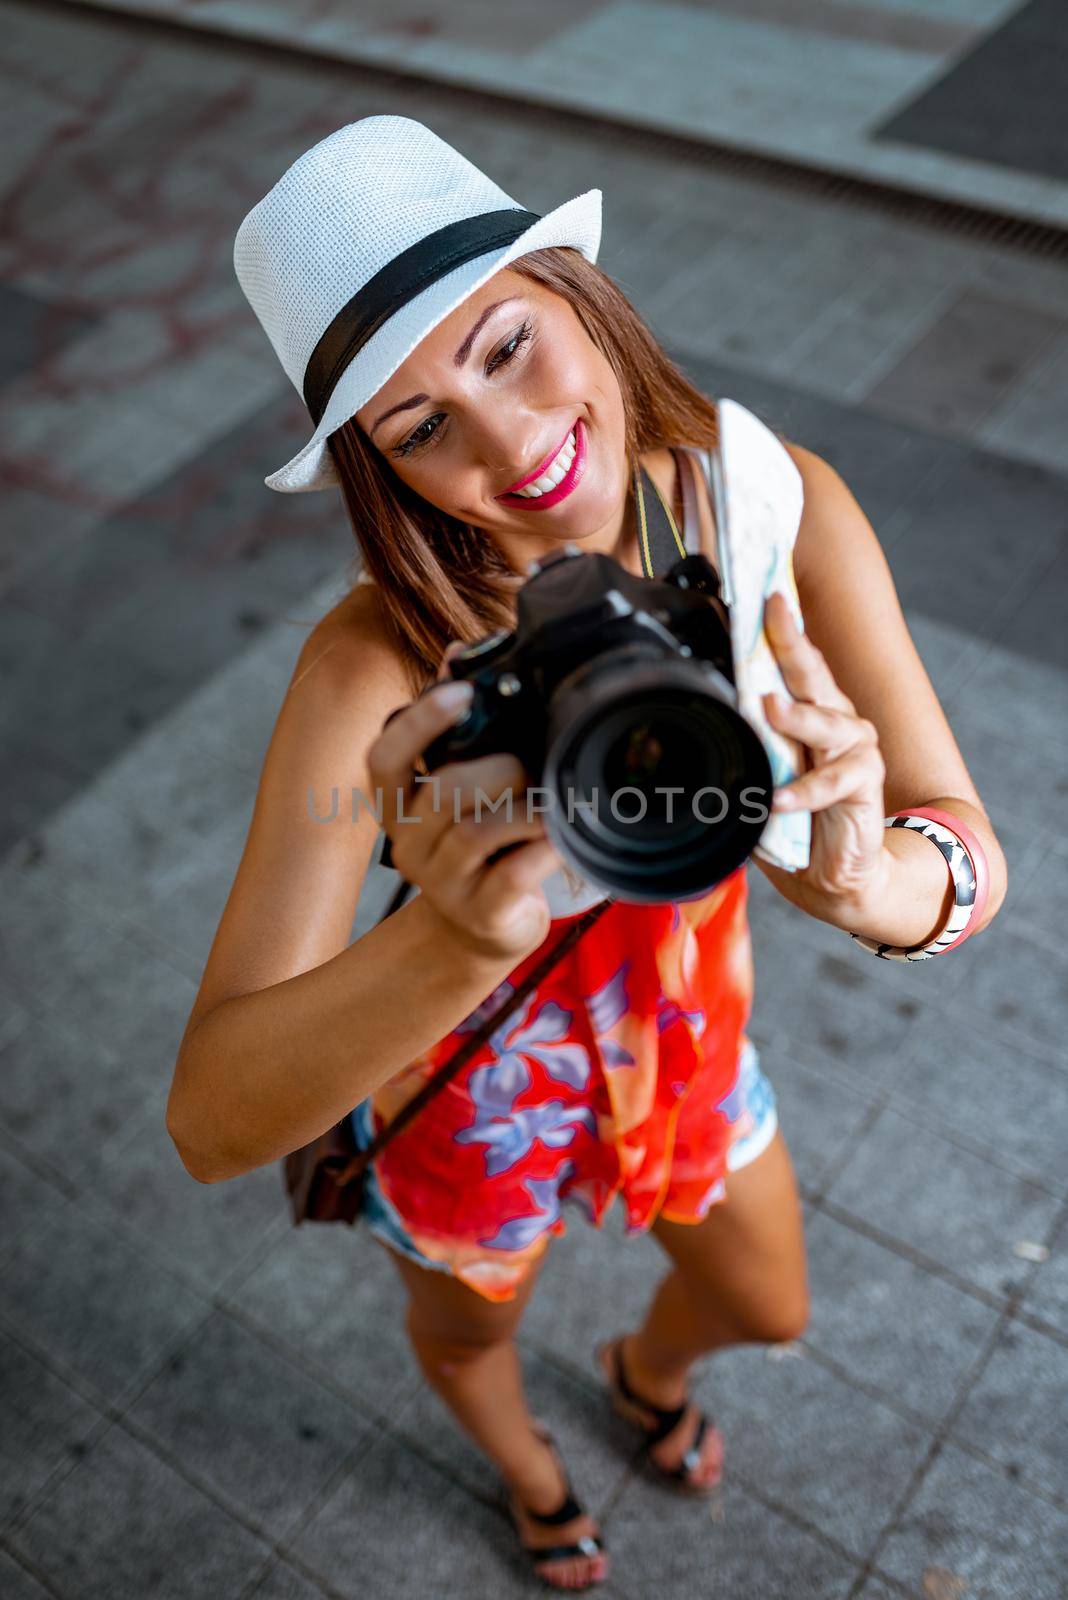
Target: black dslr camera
[{"x": 617, "y": 694}]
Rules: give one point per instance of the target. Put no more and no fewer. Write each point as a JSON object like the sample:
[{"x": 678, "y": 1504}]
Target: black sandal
[
  {"x": 586, "y": 1548},
  {"x": 666, "y": 1421}
]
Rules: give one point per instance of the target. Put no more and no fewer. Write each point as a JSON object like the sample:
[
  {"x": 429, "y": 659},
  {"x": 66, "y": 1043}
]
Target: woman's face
[{"x": 509, "y": 381}]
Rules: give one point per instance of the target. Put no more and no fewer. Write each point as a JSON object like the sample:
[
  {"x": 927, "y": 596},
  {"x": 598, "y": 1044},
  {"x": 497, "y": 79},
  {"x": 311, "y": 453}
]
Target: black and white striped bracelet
[{"x": 967, "y": 865}]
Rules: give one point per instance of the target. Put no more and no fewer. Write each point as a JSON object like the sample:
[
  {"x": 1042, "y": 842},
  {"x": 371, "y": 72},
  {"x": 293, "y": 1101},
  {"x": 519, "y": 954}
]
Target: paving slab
[
  {"x": 845, "y": 1458},
  {"x": 945, "y": 1202},
  {"x": 125, "y": 1513},
  {"x": 54, "y": 953},
  {"x": 179, "y": 914},
  {"x": 889, "y": 1324},
  {"x": 209, "y": 1233},
  {"x": 888, "y": 466},
  {"x": 283, "y": 1583},
  {"x": 993, "y": 1091},
  {"x": 1027, "y": 421},
  {"x": 25, "y": 1194},
  {"x": 951, "y": 655},
  {"x": 1015, "y": 1410},
  {"x": 46, "y": 1424},
  {"x": 942, "y": 570},
  {"x": 88, "y": 716},
  {"x": 42, "y": 944},
  {"x": 451, "y": 1543},
  {"x": 857, "y": 334},
  {"x": 81, "y": 1294},
  {"x": 17, "y": 1583},
  {"x": 32, "y": 330},
  {"x": 971, "y": 1521},
  {"x": 977, "y": 350},
  {"x": 1007, "y": 694},
  {"x": 256, "y": 681},
  {"x": 330, "y": 1295},
  {"x": 665, "y": 1545},
  {"x": 1022, "y": 984},
  {"x": 271, "y": 1462},
  {"x": 14, "y": 1015},
  {"x": 121, "y": 844},
  {"x": 66, "y": 1096},
  {"x": 1047, "y": 1292},
  {"x": 33, "y": 786},
  {"x": 862, "y": 1052},
  {"x": 989, "y": 752},
  {"x": 1035, "y": 866},
  {"x": 1032, "y": 617},
  {"x": 814, "y": 987},
  {"x": 162, "y": 595},
  {"x": 766, "y": 323},
  {"x": 878, "y": 1589}
]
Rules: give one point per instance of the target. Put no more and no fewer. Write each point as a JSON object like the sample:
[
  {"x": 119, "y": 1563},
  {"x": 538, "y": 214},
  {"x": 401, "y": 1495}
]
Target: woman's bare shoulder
[{"x": 351, "y": 650}]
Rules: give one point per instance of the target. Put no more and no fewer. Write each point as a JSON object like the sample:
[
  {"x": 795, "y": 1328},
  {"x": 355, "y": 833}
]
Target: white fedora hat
[{"x": 363, "y": 246}]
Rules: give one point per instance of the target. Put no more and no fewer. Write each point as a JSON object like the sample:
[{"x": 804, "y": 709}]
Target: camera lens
[
  {"x": 660, "y": 786},
  {"x": 647, "y": 750}
]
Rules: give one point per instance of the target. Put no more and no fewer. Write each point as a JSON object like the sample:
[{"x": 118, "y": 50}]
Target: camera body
[{"x": 612, "y": 684}]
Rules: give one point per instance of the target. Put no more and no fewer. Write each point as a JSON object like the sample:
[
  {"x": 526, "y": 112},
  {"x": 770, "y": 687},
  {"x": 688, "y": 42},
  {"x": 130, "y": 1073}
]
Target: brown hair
[{"x": 438, "y": 578}]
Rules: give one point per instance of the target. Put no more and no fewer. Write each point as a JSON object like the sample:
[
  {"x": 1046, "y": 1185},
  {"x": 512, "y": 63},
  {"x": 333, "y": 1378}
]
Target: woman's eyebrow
[
  {"x": 458, "y": 360},
  {"x": 465, "y": 349}
]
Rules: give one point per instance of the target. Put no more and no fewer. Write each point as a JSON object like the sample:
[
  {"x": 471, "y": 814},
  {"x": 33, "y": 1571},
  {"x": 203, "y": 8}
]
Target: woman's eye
[
  {"x": 417, "y": 439},
  {"x": 508, "y": 350}
]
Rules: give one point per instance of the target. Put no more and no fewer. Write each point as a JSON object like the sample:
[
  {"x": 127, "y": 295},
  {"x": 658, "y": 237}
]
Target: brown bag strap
[
  {"x": 462, "y": 1055},
  {"x": 691, "y": 517}
]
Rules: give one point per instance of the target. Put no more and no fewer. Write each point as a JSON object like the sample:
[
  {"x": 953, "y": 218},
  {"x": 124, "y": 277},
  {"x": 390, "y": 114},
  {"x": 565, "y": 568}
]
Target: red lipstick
[{"x": 566, "y": 485}]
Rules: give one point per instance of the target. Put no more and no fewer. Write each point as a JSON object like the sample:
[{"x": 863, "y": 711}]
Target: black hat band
[{"x": 399, "y": 281}]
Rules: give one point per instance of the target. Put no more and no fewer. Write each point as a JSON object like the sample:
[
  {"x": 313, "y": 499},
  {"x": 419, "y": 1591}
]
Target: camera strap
[{"x": 659, "y": 541}]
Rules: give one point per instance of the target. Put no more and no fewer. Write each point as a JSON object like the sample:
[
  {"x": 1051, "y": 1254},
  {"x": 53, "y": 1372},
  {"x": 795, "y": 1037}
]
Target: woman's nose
[{"x": 509, "y": 444}]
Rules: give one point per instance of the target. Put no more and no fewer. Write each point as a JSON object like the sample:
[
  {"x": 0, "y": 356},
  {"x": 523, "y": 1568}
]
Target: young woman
[{"x": 452, "y": 349}]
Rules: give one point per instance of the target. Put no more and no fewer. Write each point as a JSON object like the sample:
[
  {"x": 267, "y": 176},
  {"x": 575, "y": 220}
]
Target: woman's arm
[
  {"x": 292, "y": 1025},
  {"x": 263, "y": 1073},
  {"x": 857, "y": 655}
]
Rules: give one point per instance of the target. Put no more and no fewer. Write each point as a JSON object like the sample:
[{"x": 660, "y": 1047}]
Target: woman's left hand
[{"x": 843, "y": 785}]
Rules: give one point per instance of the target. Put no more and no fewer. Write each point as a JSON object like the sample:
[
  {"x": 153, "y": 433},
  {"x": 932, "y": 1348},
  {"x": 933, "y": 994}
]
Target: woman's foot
[
  {"x": 545, "y": 1495},
  {"x": 690, "y": 1450}
]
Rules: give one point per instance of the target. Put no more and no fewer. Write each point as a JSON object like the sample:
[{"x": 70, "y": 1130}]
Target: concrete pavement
[
  {"x": 958, "y": 99},
  {"x": 200, "y": 1400}
]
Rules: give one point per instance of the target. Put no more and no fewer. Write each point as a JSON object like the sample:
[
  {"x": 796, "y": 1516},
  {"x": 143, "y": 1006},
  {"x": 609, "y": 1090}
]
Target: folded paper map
[{"x": 757, "y": 495}]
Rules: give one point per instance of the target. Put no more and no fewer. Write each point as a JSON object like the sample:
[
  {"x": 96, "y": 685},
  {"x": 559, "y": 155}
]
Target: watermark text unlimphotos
[{"x": 625, "y": 805}]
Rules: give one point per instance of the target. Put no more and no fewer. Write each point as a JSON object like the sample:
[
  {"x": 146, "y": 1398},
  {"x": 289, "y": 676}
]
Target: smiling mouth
[{"x": 556, "y": 480}]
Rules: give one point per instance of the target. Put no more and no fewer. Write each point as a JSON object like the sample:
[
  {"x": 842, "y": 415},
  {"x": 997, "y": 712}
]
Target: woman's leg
[
  {"x": 464, "y": 1345},
  {"x": 738, "y": 1277}
]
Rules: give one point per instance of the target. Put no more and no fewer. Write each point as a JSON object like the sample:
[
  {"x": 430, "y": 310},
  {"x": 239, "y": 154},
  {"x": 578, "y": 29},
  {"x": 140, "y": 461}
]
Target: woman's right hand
[{"x": 496, "y": 910}]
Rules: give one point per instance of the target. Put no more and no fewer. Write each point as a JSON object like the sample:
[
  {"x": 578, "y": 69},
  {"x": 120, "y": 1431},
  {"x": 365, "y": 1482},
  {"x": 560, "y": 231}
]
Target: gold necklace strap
[{"x": 643, "y": 530}]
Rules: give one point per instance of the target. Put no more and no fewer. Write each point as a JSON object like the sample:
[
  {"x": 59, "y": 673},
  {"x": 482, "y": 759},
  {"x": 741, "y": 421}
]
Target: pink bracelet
[{"x": 967, "y": 864}]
